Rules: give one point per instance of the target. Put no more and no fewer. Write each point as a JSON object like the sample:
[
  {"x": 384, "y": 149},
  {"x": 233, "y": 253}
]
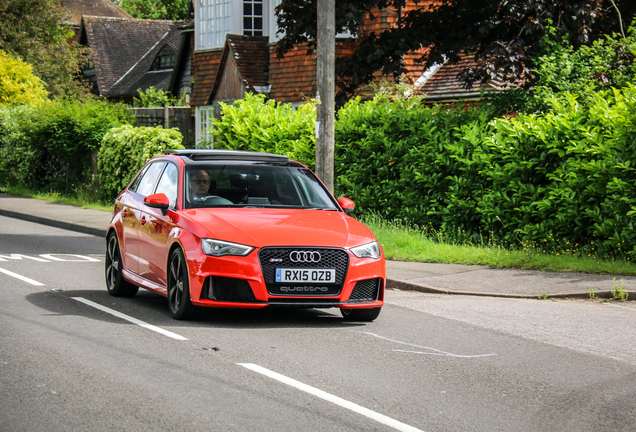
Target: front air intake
[
  {"x": 365, "y": 291},
  {"x": 229, "y": 289}
]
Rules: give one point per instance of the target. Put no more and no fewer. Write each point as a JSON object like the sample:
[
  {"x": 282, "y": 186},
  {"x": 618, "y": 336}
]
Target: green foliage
[
  {"x": 48, "y": 148},
  {"x": 18, "y": 85},
  {"x": 565, "y": 174},
  {"x": 561, "y": 182},
  {"x": 156, "y": 9},
  {"x": 406, "y": 161},
  {"x": 36, "y": 31},
  {"x": 125, "y": 149},
  {"x": 618, "y": 291},
  {"x": 257, "y": 125},
  {"x": 155, "y": 98},
  {"x": 610, "y": 62}
]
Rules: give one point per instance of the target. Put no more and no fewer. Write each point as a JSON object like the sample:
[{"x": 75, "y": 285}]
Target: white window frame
[
  {"x": 213, "y": 20},
  {"x": 203, "y": 124}
]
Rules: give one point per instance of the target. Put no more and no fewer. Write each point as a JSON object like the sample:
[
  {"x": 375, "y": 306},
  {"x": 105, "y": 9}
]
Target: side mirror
[
  {"x": 346, "y": 204},
  {"x": 159, "y": 201}
]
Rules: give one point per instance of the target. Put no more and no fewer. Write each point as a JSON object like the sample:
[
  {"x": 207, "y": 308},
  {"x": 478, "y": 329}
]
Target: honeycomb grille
[
  {"x": 231, "y": 290},
  {"x": 273, "y": 258},
  {"x": 365, "y": 291}
]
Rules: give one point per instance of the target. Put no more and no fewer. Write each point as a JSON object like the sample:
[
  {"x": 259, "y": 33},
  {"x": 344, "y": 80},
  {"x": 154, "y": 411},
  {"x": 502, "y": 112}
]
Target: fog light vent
[
  {"x": 365, "y": 291},
  {"x": 230, "y": 289}
]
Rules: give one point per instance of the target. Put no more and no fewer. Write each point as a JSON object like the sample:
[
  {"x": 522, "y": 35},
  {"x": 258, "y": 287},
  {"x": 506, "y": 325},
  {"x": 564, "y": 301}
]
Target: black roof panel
[{"x": 203, "y": 154}]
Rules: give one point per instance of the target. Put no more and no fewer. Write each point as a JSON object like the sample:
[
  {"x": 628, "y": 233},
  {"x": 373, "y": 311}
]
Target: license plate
[{"x": 325, "y": 276}]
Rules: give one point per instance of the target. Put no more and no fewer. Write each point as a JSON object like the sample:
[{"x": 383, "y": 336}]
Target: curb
[
  {"x": 407, "y": 286},
  {"x": 54, "y": 223}
]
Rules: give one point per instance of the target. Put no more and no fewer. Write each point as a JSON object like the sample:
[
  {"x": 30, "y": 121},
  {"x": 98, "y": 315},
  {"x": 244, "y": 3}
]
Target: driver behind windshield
[{"x": 199, "y": 184}]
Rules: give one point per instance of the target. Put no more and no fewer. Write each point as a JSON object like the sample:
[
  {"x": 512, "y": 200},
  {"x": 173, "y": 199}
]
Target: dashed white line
[
  {"x": 380, "y": 418},
  {"x": 130, "y": 319},
  {"x": 22, "y": 278},
  {"x": 432, "y": 351}
]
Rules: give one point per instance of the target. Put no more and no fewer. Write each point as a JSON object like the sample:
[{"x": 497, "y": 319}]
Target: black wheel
[
  {"x": 360, "y": 314},
  {"x": 179, "y": 303},
  {"x": 116, "y": 285}
]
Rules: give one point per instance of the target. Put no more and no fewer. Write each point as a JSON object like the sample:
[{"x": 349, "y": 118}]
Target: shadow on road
[{"x": 153, "y": 309}]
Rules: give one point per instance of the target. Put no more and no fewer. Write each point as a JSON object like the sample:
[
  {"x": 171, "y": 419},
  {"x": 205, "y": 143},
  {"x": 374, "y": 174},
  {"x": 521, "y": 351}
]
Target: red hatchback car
[{"x": 235, "y": 229}]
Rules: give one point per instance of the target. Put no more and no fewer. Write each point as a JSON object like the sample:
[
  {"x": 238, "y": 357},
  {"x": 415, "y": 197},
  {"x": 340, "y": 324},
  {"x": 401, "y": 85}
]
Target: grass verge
[{"x": 83, "y": 200}]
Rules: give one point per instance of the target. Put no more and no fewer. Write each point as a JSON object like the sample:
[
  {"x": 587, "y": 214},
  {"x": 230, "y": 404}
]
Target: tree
[
  {"x": 35, "y": 31},
  {"x": 563, "y": 71},
  {"x": 503, "y": 35},
  {"x": 18, "y": 85},
  {"x": 156, "y": 9}
]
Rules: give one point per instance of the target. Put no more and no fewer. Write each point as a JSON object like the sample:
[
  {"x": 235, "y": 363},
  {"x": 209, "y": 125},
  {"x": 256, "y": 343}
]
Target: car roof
[{"x": 235, "y": 155}]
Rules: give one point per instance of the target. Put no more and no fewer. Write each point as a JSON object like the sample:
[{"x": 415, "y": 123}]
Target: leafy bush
[
  {"x": 607, "y": 63},
  {"x": 257, "y": 125},
  {"x": 567, "y": 174},
  {"x": 48, "y": 148},
  {"x": 18, "y": 84},
  {"x": 124, "y": 151},
  {"x": 406, "y": 161},
  {"x": 155, "y": 98}
]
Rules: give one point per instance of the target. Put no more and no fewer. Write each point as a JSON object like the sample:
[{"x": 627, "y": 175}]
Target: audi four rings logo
[{"x": 305, "y": 256}]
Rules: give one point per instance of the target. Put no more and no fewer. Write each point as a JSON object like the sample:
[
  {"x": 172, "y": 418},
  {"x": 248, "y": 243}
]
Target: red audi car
[{"x": 235, "y": 229}]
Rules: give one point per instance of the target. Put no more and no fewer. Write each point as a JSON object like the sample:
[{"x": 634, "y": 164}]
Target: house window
[
  {"x": 204, "y": 116},
  {"x": 165, "y": 59},
  {"x": 253, "y": 17},
  {"x": 213, "y": 21}
]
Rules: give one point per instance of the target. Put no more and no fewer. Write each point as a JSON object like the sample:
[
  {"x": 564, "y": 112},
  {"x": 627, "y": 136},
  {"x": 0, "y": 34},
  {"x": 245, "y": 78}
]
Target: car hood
[{"x": 277, "y": 227}]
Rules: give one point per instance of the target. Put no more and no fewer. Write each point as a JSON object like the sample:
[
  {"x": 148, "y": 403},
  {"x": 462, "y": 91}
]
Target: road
[{"x": 74, "y": 358}]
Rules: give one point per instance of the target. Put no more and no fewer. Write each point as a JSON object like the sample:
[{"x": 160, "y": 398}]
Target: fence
[{"x": 168, "y": 117}]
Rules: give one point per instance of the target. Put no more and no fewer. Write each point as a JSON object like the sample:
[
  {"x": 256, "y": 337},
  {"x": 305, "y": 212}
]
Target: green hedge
[
  {"x": 567, "y": 174},
  {"x": 125, "y": 149},
  {"x": 49, "y": 148},
  {"x": 257, "y": 125}
]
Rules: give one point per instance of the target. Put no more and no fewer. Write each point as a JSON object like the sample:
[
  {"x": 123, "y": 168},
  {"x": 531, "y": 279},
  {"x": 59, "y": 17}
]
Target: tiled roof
[
  {"x": 443, "y": 83},
  {"x": 105, "y": 8},
  {"x": 244, "y": 67},
  {"x": 251, "y": 54},
  {"x": 140, "y": 77},
  {"x": 118, "y": 44},
  {"x": 205, "y": 66}
]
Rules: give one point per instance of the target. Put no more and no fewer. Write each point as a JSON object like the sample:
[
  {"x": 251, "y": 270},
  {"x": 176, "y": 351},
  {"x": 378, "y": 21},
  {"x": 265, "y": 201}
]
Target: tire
[
  {"x": 179, "y": 304},
  {"x": 116, "y": 285},
  {"x": 366, "y": 315}
]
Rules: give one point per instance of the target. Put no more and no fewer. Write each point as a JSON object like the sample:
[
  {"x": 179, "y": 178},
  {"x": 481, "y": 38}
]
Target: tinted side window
[
  {"x": 168, "y": 184},
  {"x": 149, "y": 179},
  {"x": 135, "y": 184}
]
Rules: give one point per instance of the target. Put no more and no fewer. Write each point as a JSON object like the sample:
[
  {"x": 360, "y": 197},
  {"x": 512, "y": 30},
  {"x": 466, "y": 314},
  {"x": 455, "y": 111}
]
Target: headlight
[
  {"x": 221, "y": 248},
  {"x": 369, "y": 250}
]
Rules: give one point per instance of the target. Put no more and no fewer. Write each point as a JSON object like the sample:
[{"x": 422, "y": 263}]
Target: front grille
[
  {"x": 273, "y": 258},
  {"x": 365, "y": 291},
  {"x": 229, "y": 289}
]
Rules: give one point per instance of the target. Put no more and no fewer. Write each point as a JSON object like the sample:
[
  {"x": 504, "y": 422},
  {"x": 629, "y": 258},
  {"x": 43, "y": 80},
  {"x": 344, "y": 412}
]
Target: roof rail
[{"x": 205, "y": 154}]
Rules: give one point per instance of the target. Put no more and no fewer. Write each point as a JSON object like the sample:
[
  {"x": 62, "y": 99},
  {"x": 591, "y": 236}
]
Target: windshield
[{"x": 255, "y": 185}]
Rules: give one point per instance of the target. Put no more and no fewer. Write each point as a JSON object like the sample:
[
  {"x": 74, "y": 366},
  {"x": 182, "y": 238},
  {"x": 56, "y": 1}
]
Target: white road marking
[
  {"x": 434, "y": 350},
  {"x": 20, "y": 257},
  {"x": 79, "y": 258},
  {"x": 22, "y": 278},
  {"x": 380, "y": 418},
  {"x": 130, "y": 319}
]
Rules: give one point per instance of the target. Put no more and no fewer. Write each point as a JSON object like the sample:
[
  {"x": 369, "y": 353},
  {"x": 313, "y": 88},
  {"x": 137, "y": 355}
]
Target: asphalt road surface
[{"x": 72, "y": 358}]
